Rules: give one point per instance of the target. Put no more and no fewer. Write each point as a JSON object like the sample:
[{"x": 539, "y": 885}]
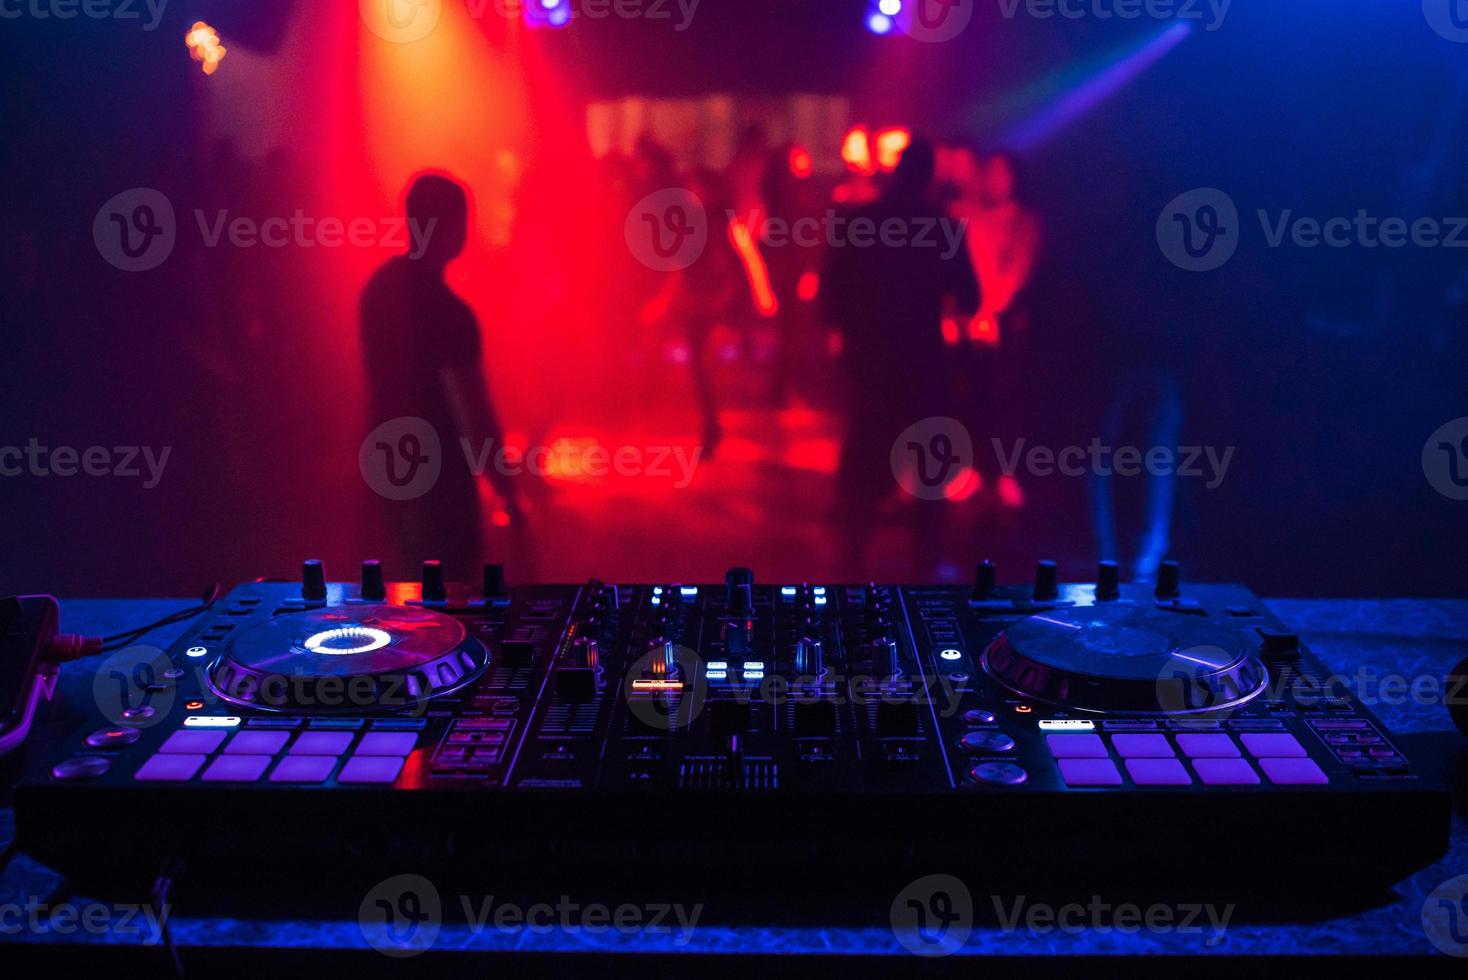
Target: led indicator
[
  {"x": 197, "y": 652},
  {"x": 348, "y": 640},
  {"x": 951, "y": 654}
]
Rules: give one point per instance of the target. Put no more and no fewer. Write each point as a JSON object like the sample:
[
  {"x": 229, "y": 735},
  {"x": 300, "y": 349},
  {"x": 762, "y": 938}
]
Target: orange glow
[
  {"x": 204, "y": 46},
  {"x": 755, "y": 269},
  {"x": 809, "y": 286},
  {"x": 652, "y": 684},
  {"x": 984, "y": 329},
  {"x": 890, "y": 144},
  {"x": 1023, "y": 709},
  {"x": 800, "y": 162},
  {"x": 856, "y": 151}
]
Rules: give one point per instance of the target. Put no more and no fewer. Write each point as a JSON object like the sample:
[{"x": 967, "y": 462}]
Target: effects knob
[
  {"x": 1169, "y": 581},
  {"x": 1047, "y": 583},
  {"x": 886, "y": 661},
  {"x": 373, "y": 587},
  {"x": 433, "y": 587},
  {"x": 810, "y": 660},
  {"x": 313, "y": 581},
  {"x": 986, "y": 580},
  {"x": 1108, "y": 580},
  {"x": 494, "y": 581}
]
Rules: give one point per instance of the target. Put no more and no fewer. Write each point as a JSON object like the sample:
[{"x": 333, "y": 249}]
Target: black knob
[
  {"x": 1457, "y": 696},
  {"x": 494, "y": 581},
  {"x": 739, "y": 589},
  {"x": 373, "y": 587},
  {"x": 986, "y": 579},
  {"x": 313, "y": 581},
  {"x": 1046, "y": 582},
  {"x": 809, "y": 657},
  {"x": 1169, "y": 580},
  {"x": 433, "y": 588},
  {"x": 1108, "y": 580}
]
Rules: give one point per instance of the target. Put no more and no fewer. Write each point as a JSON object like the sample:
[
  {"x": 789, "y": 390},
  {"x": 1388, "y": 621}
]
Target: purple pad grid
[
  {"x": 1293, "y": 772},
  {"x": 322, "y": 743},
  {"x": 236, "y": 768},
  {"x": 1216, "y": 746},
  {"x": 174, "y": 768},
  {"x": 1226, "y": 772},
  {"x": 387, "y": 743},
  {"x": 188, "y": 742},
  {"x": 257, "y": 743},
  {"x": 1076, "y": 746},
  {"x": 1275, "y": 745},
  {"x": 1089, "y": 772},
  {"x": 1142, "y": 746}
]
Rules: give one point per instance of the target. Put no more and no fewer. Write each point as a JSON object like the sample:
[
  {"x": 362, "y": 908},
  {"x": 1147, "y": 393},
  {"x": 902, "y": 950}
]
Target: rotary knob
[
  {"x": 986, "y": 580},
  {"x": 809, "y": 657},
  {"x": 1047, "y": 587},
  {"x": 313, "y": 581},
  {"x": 1108, "y": 581},
  {"x": 373, "y": 587},
  {"x": 433, "y": 587}
]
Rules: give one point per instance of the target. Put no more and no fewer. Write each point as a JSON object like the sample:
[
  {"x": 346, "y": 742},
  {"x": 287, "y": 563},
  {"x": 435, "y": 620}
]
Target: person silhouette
[
  {"x": 423, "y": 356},
  {"x": 888, "y": 293}
]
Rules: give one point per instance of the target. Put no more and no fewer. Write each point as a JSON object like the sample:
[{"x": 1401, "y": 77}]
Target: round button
[
  {"x": 981, "y": 742},
  {"x": 998, "y": 774},
  {"x": 173, "y": 673},
  {"x": 113, "y": 738},
  {"x": 82, "y": 767},
  {"x": 140, "y": 713},
  {"x": 978, "y": 716}
]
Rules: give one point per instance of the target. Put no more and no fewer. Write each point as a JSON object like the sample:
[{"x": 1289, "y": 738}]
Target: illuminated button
[
  {"x": 212, "y": 721},
  {"x": 113, "y": 738},
  {"x": 1076, "y": 746},
  {"x": 1276, "y": 745},
  {"x": 1142, "y": 746},
  {"x": 1067, "y": 725},
  {"x": 1214, "y": 746},
  {"x": 192, "y": 743},
  {"x": 303, "y": 769},
  {"x": 1226, "y": 772},
  {"x": 197, "y": 652},
  {"x": 170, "y": 768},
  {"x": 257, "y": 743},
  {"x": 978, "y": 716},
  {"x": 1089, "y": 772},
  {"x": 1293, "y": 772},
  {"x": 321, "y": 743},
  {"x": 387, "y": 743},
  {"x": 82, "y": 767},
  {"x": 981, "y": 742},
  {"x": 998, "y": 774},
  {"x": 1158, "y": 772},
  {"x": 237, "y": 768},
  {"x": 951, "y": 654},
  {"x": 371, "y": 769}
]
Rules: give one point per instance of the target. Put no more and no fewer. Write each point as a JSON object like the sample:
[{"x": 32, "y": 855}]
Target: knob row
[
  {"x": 374, "y": 587},
  {"x": 1047, "y": 583}
]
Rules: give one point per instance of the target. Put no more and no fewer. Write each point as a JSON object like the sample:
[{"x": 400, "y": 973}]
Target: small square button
[
  {"x": 370, "y": 769},
  {"x": 1142, "y": 746},
  {"x": 303, "y": 769},
  {"x": 192, "y": 742},
  {"x": 257, "y": 743},
  {"x": 321, "y": 743},
  {"x": 1274, "y": 745},
  {"x": 1158, "y": 772},
  {"x": 1210, "y": 746},
  {"x": 1077, "y": 746},
  {"x": 387, "y": 743},
  {"x": 1089, "y": 772},
  {"x": 170, "y": 768},
  {"x": 1293, "y": 772},
  {"x": 1226, "y": 772},
  {"x": 237, "y": 768}
]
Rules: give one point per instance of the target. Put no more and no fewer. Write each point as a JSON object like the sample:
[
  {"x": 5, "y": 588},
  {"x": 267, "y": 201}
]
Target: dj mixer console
[{"x": 1091, "y": 729}]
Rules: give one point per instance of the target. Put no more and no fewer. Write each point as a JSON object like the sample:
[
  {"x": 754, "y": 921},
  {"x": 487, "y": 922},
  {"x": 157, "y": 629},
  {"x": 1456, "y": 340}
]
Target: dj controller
[{"x": 1103, "y": 729}]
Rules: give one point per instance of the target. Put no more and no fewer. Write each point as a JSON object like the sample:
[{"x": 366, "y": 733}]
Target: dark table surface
[{"x": 1372, "y": 639}]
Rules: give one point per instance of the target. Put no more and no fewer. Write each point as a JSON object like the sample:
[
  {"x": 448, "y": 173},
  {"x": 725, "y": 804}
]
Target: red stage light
[
  {"x": 809, "y": 286},
  {"x": 856, "y": 151},
  {"x": 890, "y": 144},
  {"x": 800, "y": 162}
]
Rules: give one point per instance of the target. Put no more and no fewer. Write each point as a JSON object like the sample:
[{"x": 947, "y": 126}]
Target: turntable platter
[
  {"x": 1123, "y": 659},
  {"x": 347, "y": 660}
]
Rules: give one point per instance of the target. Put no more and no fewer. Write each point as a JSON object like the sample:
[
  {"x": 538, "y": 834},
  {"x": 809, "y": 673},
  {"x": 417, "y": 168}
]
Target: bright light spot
[
  {"x": 890, "y": 7},
  {"x": 787, "y": 590},
  {"x": 755, "y": 270},
  {"x": 879, "y": 23},
  {"x": 984, "y": 329},
  {"x": 688, "y": 590},
  {"x": 950, "y": 331},
  {"x": 718, "y": 665},
  {"x": 329, "y": 641},
  {"x": 965, "y": 485},
  {"x": 819, "y": 590},
  {"x": 1010, "y": 493},
  {"x": 890, "y": 144},
  {"x": 197, "y": 652},
  {"x": 820, "y": 600},
  {"x": 801, "y": 164},
  {"x": 856, "y": 151},
  {"x": 951, "y": 654},
  {"x": 755, "y": 665},
  {"x": 809, "y": 286},
  {"x": 204, "y": 46}
]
